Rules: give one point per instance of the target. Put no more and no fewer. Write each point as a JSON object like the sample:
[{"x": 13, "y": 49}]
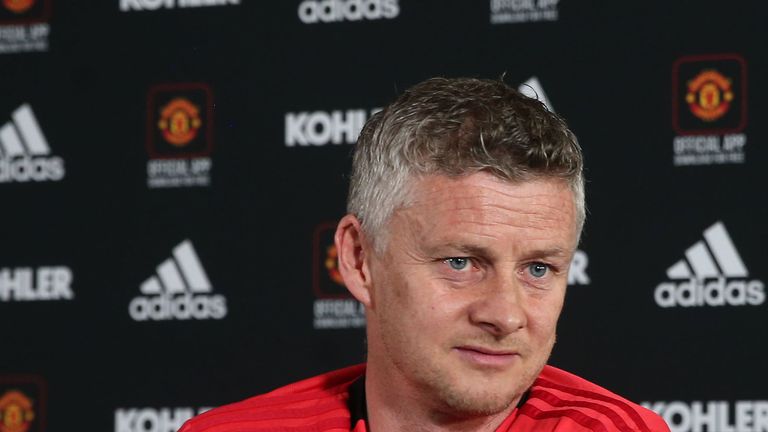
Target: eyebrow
[
  {"x": 467, "y": 249},
  {"x": 481, "y": 251},
  {"x": 555, "y": 252}
]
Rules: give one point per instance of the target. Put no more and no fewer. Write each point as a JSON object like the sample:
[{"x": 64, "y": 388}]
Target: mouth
[{"x": 487, "y": 357}]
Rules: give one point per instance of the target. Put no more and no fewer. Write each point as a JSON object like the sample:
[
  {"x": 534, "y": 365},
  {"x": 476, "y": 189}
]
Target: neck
[{"x": 393, "y": 405}]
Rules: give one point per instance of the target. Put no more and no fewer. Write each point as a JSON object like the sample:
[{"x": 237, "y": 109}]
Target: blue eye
[
  {"x": 537, "y": 270},
  {"x": 458, "y": 263}
]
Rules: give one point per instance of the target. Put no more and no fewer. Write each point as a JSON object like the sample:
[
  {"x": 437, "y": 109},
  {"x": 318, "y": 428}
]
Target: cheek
[
  {"x": 421, "y": 307},
  {"x": 404, "y": 285},
  {"x": 543, "y": 315},
  {"x": 410, "y": 297},
  {"x": 396, "y": 304}
]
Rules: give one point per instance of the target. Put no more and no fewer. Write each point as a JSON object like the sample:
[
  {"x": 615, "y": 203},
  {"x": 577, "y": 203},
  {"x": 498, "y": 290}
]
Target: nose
[{"x": 499, "y": 309}]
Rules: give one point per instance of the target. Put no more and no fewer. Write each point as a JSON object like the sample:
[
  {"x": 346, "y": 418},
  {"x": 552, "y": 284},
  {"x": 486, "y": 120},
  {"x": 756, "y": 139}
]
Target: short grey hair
[{"x": 457, "y": 127}]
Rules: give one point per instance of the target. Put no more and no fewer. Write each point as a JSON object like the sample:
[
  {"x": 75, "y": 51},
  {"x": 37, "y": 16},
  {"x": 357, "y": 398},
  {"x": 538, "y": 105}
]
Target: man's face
[{"x": 466, "y": 296}]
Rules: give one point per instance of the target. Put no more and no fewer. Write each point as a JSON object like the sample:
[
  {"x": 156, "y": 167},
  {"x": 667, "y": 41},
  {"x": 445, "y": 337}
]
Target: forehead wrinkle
[
  {"x": 479, "y": 206},
  {"x": 482, "y": 222},
  {"x": 475, "y": 198},
  {"x": 493, "y": 214}
]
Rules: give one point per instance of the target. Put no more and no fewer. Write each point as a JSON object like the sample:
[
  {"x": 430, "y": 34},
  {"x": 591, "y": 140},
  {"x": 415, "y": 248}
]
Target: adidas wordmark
[
  {"x": 711, "y": 274},
  {"x": 181, "y": 290}
]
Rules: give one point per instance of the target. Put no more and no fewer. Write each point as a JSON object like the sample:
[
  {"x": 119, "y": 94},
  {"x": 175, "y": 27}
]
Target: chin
[
  {"x": 472, "y": 395},
  {"x": 477, "y": 402}
]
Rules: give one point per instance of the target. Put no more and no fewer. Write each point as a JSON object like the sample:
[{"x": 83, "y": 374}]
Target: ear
[{"x": 352, "y": 250}]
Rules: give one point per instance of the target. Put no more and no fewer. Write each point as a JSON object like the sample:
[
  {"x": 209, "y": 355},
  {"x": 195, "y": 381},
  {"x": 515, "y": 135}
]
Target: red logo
[
  {"x": 22, "y": 403},
  {"x": 18, "y": 6},
  {"x": 332, "y": 264},
  {"x": 16, "y": 12},
  {"x": 179, "y": 121},
  {"x": 327, "y": 281},
  {"x": 709, "y": 94},
  {"x": 16, "y": 413}
]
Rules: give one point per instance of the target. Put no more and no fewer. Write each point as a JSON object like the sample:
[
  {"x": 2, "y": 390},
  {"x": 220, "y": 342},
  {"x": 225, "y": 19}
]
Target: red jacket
[{"x": 558, "y": 401}]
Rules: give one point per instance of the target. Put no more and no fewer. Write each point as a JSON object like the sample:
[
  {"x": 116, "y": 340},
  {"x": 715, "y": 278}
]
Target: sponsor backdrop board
[{"x": 171, "y": 171}]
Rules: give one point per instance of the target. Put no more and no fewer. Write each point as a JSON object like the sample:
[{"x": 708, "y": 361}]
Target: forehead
[{"x": 482, "y": 207}]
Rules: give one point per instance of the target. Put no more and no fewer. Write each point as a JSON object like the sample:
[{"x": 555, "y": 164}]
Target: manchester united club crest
[
  {"x": 16, "y": 412},
  {"x": 24, "y": 26},
  {"x": 327, "y": 282},
  {"x": 332, "y": 264},
  {"x": 18, "y": 6},
  {"x": 179, "y": 122},
  {"x": 179, "y": 135},
  {"x": 334, "y": 307},
  {"x": 709, "y": 95},
  {"x": 709, "y": 115},
  {"x": 22, "y": 403}
]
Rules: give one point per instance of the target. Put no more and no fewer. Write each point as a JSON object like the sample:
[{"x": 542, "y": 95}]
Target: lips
[{"x": 487, "y": 357}]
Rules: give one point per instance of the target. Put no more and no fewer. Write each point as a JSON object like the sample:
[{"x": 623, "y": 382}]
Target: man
[{"x": 465, "y": 207}]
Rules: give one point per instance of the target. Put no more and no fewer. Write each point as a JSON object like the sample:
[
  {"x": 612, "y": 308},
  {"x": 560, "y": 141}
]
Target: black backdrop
[{"x": 666, "y": 98}]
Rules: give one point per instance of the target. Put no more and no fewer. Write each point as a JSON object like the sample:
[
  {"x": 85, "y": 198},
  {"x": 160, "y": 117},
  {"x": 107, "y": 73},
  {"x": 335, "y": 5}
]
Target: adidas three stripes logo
[
  {"x": 711, "y": 274},
  {"x": 180, "y": 290},
  {"x": 712, "y": 257},
  {"x": 184, "y": 262},
  {"x": 24, "y": 151},
  {"x": 23, "y": 135}
]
